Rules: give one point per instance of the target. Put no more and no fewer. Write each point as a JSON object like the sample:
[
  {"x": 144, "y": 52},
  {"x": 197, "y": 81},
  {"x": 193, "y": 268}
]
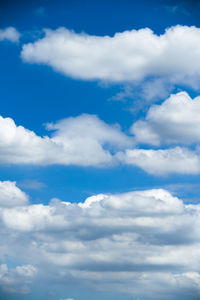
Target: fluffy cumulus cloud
[
  {"x": 119, "y": 242},
  {"x": 87, "y": 141},
  {"x": 175, "y": 121},
  {"x": 11, "y": 195},
  {"x": 130, "y": 56},
  {"x": 161, "y": 162},
  {"x": 9, "y": 34},
  {"x": 84, "y": 140}
]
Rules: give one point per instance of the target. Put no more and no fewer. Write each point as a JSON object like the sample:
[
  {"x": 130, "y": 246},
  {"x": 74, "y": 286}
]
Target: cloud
[
  {"x": 123, "y": 242},
  {"x": 87, "y": 141},
  {"x": 11, "y": 195},
  {"x": 130, "y": 56},
  {"x": 31, "y": 184},
  {"x": 16, "y": 280},
  {"x": 84, "y": 140},
  {"x": 161, "y": 285},
  {"x": 161, "y": 162},
  {"x": 9, "y": 34},
  {"x": 175, "y": 121}
]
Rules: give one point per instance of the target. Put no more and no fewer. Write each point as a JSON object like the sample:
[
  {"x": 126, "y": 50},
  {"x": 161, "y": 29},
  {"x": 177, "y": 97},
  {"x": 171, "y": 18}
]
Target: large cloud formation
[
  {"x": 84, "y": 140},
  {"x": 130, "y": 56},
  {"x": 142, "y": 238},
  {"x": 12, "y": 194}
]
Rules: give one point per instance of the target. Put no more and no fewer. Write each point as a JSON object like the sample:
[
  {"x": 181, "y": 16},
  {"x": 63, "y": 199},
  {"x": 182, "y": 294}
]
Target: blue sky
[{"x": 102, "y": 115}]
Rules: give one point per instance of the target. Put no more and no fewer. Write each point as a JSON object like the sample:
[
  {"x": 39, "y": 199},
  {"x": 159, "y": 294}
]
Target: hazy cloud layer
[{"x": 142, "y": 238}]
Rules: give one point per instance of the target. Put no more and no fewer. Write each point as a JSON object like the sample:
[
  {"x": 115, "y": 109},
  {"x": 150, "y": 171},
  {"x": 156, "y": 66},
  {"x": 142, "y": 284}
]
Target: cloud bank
[{"x": 142, "y": 238}]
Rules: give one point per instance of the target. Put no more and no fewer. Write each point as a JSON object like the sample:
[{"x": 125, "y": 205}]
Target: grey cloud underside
[
  {"x": 16, "y": 280},
  {"x": 122, "y": 241}
]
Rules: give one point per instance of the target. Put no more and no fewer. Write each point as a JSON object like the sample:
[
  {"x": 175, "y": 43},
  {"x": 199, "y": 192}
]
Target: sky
[{"x": 99, "y": 150}]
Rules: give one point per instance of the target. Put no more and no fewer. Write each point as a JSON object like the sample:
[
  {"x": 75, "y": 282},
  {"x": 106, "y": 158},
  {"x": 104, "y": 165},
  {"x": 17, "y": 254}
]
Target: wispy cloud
[{"x": 31, "y": 184}]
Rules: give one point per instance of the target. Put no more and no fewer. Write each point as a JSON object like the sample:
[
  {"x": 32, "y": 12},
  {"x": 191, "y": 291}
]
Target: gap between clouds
[
  {"x": 88, "y": 141},
  {"x": 119, "y": 242}
]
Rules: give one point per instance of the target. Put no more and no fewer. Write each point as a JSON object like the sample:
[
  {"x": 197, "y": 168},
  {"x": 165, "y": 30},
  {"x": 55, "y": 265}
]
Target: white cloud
[
  {"x": 11, "y": 195},
  {"x": 123, "y": 242},
  {"x": 87, "y": 141},
  {"x": 173, "y": 160},
  {"x": 175, "y": 121},
  {"x": 84, "y": 140},
  {"x": 9, "y": 34},
  {"x": 130, "y": 56}
]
